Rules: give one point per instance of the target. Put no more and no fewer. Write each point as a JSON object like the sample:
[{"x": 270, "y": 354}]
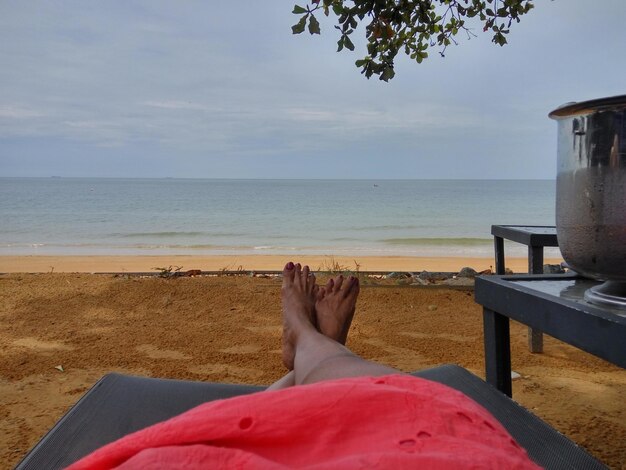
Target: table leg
[
  {"x": 535, "y": 266},
  {"x": 498, "y": 243},
  {"x": 535, "y": 259},
  {"x": 497, "y": 351}
]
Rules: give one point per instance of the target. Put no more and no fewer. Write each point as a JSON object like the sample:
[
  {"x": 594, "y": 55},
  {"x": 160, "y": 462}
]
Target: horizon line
[{"x": 280, "y": 178}]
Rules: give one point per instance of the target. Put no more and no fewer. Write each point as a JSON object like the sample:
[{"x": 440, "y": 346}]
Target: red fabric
[{"x": 395, "y": 421}]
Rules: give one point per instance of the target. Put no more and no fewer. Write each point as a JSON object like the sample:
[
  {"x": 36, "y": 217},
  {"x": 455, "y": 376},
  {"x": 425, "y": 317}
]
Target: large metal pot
[{"x": 591, "y": 194}]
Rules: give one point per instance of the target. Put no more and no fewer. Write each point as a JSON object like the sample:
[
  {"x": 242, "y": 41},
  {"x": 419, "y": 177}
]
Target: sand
[
  {"x": 111, "y": 264},
  {"x": 227, "y": 329}
]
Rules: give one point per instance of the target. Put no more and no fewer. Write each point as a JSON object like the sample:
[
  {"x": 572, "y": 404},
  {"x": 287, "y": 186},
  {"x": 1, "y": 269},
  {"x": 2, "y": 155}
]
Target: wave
[
  {"x": 192, "y": 235},
  {"x": 21, "y": 245},
  {"x": 389, "y": 227},
  {"x": 167, "y": 246},
  {"x": 438, "y": 241},
  {"x": 158, "y": 234}
]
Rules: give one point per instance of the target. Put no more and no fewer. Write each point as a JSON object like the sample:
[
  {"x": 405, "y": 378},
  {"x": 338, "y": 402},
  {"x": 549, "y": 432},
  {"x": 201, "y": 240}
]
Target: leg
[
  {"x": 315, "y": 356},
  {"x": 498, "y": 243},
  {"x": 298, "y": 287},
  {"x": 497, "y": 351},
  {"x": 535, "y": 266},
  {"x": 288, "y": 380},
  {"x": 334, "y": 309}
]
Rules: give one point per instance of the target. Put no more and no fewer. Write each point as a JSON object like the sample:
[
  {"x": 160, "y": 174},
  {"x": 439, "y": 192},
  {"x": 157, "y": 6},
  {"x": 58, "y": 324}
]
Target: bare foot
[
  {"x": 335, "y": 306},
  {"x": 298, "y": 295}
]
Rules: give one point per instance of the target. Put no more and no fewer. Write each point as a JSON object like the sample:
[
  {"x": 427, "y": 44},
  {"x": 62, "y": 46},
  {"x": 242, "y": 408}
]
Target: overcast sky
[{"x": 222, "y": 89}]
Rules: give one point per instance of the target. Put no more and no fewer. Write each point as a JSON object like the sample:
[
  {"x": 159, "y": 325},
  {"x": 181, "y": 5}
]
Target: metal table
[
  {"x": 553, "y": 304},
  {"x": 535, "y": 237}
]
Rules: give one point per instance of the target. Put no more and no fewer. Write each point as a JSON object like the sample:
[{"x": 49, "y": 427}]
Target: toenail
[{"x": 289, "y": 265}]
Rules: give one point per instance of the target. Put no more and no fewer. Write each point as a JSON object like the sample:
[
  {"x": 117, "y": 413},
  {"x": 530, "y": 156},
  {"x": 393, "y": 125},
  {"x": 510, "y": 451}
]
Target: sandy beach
[
  {"x": 145, "y": 263},
  {"x": 61, "y": 332}
]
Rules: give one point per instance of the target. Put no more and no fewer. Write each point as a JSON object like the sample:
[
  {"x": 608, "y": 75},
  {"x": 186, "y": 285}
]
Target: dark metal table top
[
  {"x": 531, "y": 235},
  {"x": 554, "y": 304}
]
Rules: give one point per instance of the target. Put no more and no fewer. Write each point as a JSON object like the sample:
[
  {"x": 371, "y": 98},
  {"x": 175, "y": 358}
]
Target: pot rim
[{"x": 586, "y": 107}]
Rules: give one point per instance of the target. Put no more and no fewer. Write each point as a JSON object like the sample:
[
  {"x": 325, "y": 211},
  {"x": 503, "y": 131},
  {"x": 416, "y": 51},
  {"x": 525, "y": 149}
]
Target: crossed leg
[{"x": 315, "y": 356}]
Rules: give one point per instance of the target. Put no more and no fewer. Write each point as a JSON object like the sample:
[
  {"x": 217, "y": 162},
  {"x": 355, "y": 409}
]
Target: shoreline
[{"x": 148, "y": 263}]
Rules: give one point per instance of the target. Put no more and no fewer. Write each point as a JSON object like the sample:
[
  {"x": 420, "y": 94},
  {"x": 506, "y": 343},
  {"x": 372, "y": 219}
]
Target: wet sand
[{"x": 227, "y": 329}]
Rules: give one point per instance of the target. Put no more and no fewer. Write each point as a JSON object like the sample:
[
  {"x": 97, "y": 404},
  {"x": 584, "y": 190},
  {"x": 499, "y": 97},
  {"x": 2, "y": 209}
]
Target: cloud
[
  {"x": 173, "y": 104},
  {"x": 16, "y": 112}
]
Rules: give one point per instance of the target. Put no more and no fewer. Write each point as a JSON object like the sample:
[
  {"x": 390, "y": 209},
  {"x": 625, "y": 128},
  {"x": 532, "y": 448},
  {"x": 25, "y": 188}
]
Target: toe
[
  {"x": 288, "y": 273},
  {"x": 351, "y": 287},
  {"x": 338, "y": 282},
  {"x": 321, "y": 292},
  {"x": 305, "y": 277}
]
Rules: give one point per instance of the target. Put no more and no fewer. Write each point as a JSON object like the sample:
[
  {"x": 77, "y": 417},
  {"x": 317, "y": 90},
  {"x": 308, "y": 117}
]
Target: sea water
[{"x": 218, "y": 216}]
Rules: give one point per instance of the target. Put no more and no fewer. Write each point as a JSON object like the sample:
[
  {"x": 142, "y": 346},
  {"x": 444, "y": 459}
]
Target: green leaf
[
  {"x": 340, "y": 44},
  {"x": 348, "y": 43},
  {"x": 298, "y": 10},
  {"x": 314, "y": 25},
  {"x": 299, "y": 27},
  {"x": 387, "y": 74}
]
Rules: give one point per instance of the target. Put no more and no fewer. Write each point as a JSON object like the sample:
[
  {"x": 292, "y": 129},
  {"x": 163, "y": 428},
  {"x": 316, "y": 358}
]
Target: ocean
[{"x": 106, "y": 216}]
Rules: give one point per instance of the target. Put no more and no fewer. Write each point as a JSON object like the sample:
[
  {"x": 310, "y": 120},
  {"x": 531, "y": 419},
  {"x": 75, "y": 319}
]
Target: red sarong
[{"x": 396, "y": 421}]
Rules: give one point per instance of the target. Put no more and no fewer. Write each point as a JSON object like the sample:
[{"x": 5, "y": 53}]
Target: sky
[{"x": 222, "y": 89}]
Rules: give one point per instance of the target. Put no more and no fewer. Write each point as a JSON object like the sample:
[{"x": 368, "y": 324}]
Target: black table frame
[
  {"x": 536, "y": 238},
  {"x": 590, "y": 328}
]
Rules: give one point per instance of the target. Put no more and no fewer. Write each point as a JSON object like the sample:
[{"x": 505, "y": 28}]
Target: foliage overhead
[{"x": 412, "y": 26}]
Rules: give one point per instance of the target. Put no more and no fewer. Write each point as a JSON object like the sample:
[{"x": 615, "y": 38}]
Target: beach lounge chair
[{"x": 121, "y": 404}]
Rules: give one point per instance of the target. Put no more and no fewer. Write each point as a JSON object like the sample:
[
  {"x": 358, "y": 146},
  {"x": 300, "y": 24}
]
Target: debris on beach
[
  {"x": 553, "y": 269},
  {"x": 395, "y": 275},
  {"x": 168, "y": 272},
  {"x": 463, "y": 279},
  {"x": 59, "y": 368},
  {"x": 467, "y": 272}
]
